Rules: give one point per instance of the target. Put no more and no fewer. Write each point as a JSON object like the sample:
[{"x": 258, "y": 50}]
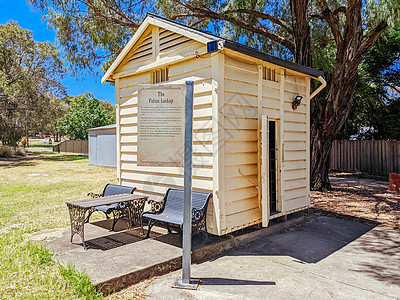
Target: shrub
[
  {"x": 20, "y": 152},
  {"x": 6, "y": 151}
]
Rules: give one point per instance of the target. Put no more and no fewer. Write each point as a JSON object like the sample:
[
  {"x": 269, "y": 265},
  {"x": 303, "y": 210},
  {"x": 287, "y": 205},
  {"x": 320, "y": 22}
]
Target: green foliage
[
  {"x": 382, "y": 10},
  {"x": 29, "y": 74},
  {"x": 85, "y": 112},
  {"x": 38, "y": 254},
  {"x": 57, "y": 108},
  {"x": 80, "y": 282},
  {"x": 91, "y": 33},
  {"x": 376, "y": 111}
]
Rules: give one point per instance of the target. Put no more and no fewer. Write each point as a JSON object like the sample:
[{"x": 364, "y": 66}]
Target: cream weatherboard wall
[
  {"x": 247, "y": 96},
  {"x": 154, "y": 181},
  {"x": 232, "y": 91},
  {"x": 242, "y": 205}
]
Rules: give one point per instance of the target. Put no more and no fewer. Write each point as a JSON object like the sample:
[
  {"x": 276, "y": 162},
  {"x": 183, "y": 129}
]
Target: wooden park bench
[
  {"x": 118, "y": 210},
  {"x": 170, "y": 211}
]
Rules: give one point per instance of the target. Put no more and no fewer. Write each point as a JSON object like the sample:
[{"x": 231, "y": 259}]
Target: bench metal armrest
[
  {"x": 156, "y": 207},
  {"x": 93, "y": 195},
  {"x": 199, "y": 217},
  {"x": 198, "y": 214}
]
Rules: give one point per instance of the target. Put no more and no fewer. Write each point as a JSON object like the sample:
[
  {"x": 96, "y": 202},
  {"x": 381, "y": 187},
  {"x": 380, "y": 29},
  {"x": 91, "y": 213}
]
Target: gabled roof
[{"x": 204, "y": 37}]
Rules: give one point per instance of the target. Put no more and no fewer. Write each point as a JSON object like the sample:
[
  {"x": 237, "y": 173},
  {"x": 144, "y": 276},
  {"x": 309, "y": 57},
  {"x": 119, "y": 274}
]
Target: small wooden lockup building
[{"x": 251, "y": 148}]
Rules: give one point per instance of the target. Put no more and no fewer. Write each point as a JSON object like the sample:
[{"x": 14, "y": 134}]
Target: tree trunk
[
  {"x": 326, "y": 122},
  {"x": 301, "y": 32},
  {"x": 320, "y": 150},
  {"x": 328, "y": 117}
]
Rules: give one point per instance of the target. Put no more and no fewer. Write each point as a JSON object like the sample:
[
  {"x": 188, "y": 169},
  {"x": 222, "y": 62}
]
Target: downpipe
[{"x": 323, "y": 84}]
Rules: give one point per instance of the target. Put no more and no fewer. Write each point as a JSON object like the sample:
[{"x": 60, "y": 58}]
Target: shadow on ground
[
  {"x": 230, "y": 281},
  {"x": 323, "y": 258},
  {"x": 61, "y": 157},
  {"x": 31, "y": 159},
  {"x": 320, "y": 238},
  {"x": 14, "y": 164},
  {"x": 121, "y": 237},
  {"x": 312, "y": 242},
  {"x": 384, "y": 243}
]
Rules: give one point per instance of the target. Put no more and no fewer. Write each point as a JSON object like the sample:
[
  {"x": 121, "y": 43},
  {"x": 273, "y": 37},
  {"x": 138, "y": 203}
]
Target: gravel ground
[{"x": 365, "y": 199}]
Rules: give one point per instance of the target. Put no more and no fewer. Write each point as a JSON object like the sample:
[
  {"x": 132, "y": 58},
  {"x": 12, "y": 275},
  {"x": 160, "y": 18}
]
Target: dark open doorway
[{"x": 272, "y": 166}]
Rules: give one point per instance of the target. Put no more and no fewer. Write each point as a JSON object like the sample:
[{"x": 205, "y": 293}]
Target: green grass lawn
[
  {"x": 41, "y": 143},
  {"x": 33, "y": 192}
]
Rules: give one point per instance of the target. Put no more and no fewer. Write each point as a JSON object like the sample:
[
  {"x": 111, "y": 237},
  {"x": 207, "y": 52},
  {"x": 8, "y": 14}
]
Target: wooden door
[{"x": 265, "y": 206}]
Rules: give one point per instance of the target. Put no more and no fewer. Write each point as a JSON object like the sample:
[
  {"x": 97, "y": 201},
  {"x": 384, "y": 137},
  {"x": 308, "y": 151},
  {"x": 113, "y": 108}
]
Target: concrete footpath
[
  {"x": 321, "y": 259},
  {"x": 115, "y": 260}
]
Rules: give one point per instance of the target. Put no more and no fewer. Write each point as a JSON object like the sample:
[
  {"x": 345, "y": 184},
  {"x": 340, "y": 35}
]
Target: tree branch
[
  {"x": 391, "y": 85},
  {"x": 341, "y": 9},
  {"x": 208, "y": 13},
  {"x": 369, "y": 41},
  {"x": 128, "y": 22},
  {"x": 199, "y": 21},
  {"x": 332, "y": 21},
  {"x": 261, "y": 15}
]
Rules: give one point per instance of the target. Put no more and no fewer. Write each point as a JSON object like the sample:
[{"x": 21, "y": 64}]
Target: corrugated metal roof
[
  {"x": 112, "y": 126},
  {"x": 245, "y": 49}
]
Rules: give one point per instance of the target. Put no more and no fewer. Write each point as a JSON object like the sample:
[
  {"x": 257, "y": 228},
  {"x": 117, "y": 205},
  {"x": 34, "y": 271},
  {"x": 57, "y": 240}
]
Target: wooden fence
[
  {"x": 76, "y": 147},
  {"x": 381, "y": 157}
]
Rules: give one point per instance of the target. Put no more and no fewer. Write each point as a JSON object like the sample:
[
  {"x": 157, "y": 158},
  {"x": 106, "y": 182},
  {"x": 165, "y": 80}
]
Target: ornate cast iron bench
[
  {"x": 134, "y": 205},
  {"x": 118, "y": 210},
  {"x": 170, "y": 211}
]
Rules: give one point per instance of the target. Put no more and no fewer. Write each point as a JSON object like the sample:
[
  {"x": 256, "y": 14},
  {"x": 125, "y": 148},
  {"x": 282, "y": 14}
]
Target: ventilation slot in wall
[
  {"x": 160, "y": 75},
  {"x": 269, "y": 74}
]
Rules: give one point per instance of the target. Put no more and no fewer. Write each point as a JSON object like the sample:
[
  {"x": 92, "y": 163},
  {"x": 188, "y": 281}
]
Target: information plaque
[{"x": 161, "y": 125}]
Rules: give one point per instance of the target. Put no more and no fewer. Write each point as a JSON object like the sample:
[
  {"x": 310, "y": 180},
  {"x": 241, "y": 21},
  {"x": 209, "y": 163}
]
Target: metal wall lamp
[{"x": 296, "y": 102}]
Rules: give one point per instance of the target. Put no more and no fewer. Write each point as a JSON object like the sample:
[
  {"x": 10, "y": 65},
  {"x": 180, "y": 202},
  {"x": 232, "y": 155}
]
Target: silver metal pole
[
  {"x": 187, "y": 209},
  {"x": 186, "y": 282}
]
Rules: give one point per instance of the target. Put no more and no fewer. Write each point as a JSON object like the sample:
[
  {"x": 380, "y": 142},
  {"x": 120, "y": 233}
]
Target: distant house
[
  {"x": 103, "y": 146},
  {"x": 251, "y": 139}
]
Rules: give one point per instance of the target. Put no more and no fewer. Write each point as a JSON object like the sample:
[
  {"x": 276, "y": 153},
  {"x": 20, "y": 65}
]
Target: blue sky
[{"x": 20, "y": 11}]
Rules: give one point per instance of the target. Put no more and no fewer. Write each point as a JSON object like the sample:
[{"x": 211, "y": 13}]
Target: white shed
[
  {"x": 251, "y": 145},
  {"x": 103, "y": 146}
]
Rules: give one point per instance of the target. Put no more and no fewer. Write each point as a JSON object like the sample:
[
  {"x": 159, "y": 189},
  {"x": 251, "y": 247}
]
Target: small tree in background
[
  {"x": 85, "y": 112},
  {"x": 57, "y": 109}
]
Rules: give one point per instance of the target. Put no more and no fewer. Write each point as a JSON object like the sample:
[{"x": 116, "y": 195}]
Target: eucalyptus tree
[
  {"x": 376, "y": 110},
  {"x": 94, "y": 32},
  {"x": 29, "y": 73}
]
